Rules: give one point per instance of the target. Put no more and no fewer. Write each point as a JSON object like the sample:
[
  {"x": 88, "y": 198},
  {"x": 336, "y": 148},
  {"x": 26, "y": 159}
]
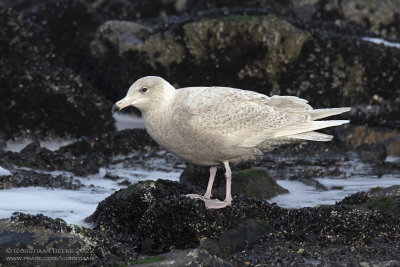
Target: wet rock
[
  {"x": 187, "y": 257},
  {"x": 383, "y": 199},
  {"x": 377, "y": 115},
  {"x": 355, "y": 199},
  {"x": 125, "y": 37},
  {"x": 189, "y": 221},
  {"x": 373, "y": 143},
  {"x": 248, "y": 231},
  {"x": 235, "y": 239},
  {"x": 380, "y": 17},
  {"x": 139, "y": 214},
  {"x": 325, "y": 235},
  {"x": 276, "y": 41},
  {"x": 256, "y": 183},
  {"x": 25, "y": 178},
  {"x": 84, "y": 156},
  {"x": 36, "y": 98},
  {"x": 35, "y": 237},
  {"x": 314, "y": 183},
  {"x": 369, "y": 153},
  {"x": 120, "y": 213}
]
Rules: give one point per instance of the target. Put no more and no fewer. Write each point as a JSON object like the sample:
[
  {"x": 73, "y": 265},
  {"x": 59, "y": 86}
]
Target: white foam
[
  {"x": 4, "y": 172},
  {"x": 72, "y": 206},
  {"x": 128, "y": 121},
  {"x": 307, "y": 196},
  {"x": 52, "y": 144},
  {"x": 381, "y": 41},
  {"x": 392, "y": 159}
]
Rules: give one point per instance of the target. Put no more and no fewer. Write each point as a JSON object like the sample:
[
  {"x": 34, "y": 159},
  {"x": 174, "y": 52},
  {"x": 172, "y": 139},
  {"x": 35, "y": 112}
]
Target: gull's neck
[{"x": 162, "y": 106}]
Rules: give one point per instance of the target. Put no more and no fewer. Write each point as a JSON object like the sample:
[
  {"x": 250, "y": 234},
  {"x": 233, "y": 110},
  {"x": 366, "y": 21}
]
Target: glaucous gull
[{"x": 213, "y": 125}]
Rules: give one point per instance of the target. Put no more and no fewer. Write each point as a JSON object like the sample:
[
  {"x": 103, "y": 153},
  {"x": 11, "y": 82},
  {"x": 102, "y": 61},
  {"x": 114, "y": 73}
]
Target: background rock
[
  {"x": 84, "y": 156},
  {"x": 383, "y": 199},
  {"x": 37, "y": 97}
]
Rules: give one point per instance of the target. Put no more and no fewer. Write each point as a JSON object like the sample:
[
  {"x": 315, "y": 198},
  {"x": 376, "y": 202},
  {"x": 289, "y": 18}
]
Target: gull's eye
[{"x": 144, "y": 89}]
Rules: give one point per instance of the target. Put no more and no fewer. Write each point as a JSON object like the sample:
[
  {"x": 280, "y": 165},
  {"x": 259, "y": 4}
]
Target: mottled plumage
[{"x": 210, "y": 125}]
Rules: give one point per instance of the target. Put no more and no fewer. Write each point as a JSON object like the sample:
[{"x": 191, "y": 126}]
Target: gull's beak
[{"x": 123, "y": 103}]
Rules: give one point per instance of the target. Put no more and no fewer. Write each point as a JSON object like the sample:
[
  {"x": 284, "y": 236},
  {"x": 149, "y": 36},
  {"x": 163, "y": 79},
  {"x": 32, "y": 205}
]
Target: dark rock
[
  {"x": 380, "y": 17},
  {"x": 125, "y": 183},
  {"x": 176, "y": 257},
  {"x": 189, "y": 220},
  {"x": 111, "y": 176},
  {"x": 120, "y": 213},
  {"x": 31, "y": 149},
  {"x": 256, "y": 183},
  {"x": 84, "y": 156},
  {"x": 355, "y": 199},
  {"x": 245, "y": 232},
  {"x": 383, "y": 199},
  {"x": 36, "y": 98},
  {"x": 156, "y": 215},
  {"x": 35, "y": 237},
  {"x": 374, "y": 152},
  {"x": 248, "y": 231},
  {"x": 373, "y": 143},
  {"x": 314, "y": 183},
  {"x": 25, "y": 178}
]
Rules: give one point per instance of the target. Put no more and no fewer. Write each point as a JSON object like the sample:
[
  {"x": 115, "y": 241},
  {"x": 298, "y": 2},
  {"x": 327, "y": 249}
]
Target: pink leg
[
  {"x": 228, "y": 175},
  {"x": 207, "y": 195},
  {"x": 213, "y": 172},
  {"x": 215, "y": 203},
  {"x": 218, "y": 204}
]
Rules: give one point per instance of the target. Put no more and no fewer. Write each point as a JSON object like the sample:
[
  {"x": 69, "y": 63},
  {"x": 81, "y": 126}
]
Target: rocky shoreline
[
  {"x": 63, "y": 64},
  {"x": 153, "y": 218}
]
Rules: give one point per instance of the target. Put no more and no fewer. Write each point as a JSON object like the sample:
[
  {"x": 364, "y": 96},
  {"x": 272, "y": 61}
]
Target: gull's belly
[{"x": 195, "y": 149}]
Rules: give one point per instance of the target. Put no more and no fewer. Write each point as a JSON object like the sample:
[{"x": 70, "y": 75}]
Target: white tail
[
  {"x": 317, "y": 114},
  {"x": 312, "y": 136},
  {"x": 311, "y": 126},
  {"x": 307, "y": 127}
]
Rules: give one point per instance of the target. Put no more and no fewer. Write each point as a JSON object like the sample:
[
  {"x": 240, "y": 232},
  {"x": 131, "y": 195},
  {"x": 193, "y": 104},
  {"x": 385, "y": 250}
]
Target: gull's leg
[
  {"x": 207, "y": 195},
  {"x": 217, "y": 204},
  {"x": 228, "y": 175},
  {"x": 213, "y": 172}
]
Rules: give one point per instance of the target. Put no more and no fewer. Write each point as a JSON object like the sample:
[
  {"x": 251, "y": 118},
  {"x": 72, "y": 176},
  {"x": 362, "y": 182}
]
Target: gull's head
[{"x": 147, "y": 93}]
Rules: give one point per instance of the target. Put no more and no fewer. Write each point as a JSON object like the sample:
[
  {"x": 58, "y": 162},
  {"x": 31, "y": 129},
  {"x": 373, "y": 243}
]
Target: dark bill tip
[{"x": 114, "y": 108}]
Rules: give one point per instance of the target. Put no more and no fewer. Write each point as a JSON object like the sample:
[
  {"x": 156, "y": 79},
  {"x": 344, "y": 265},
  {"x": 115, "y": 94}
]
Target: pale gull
[{"x": 212, "y": 125}]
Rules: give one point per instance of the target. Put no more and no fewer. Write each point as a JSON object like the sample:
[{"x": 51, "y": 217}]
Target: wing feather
[{"x": 239, "y": 118}]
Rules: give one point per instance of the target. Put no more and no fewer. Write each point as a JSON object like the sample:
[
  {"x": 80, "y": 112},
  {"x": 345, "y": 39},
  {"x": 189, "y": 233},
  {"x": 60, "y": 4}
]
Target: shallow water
[
  {"x": 54, "y": 144},
  {"x": 381, "y": 41},
  {"x": 75, "y": 206},
  {"x": 128, "y": 121},
  {"x": 302, "y": 195}
]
